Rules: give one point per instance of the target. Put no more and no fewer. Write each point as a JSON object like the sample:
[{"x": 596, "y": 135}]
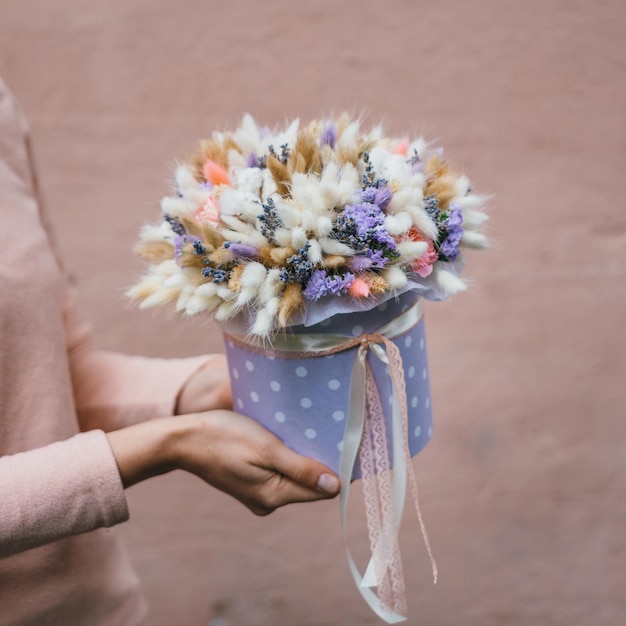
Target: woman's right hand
[{"x": 231, "y": 452}]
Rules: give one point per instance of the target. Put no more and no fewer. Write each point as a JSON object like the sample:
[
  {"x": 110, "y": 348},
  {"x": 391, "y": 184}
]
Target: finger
[
  {"x": 305, "y": 472},
  {"x": 281, "y": 490}
]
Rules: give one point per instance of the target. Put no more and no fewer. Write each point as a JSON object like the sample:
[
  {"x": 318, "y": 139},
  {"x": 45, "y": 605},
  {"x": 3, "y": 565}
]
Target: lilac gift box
[{"x": 304, "y": 401}]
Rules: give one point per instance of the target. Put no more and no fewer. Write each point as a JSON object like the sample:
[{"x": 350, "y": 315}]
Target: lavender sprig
[
  {"x": 216, "y": 275},
  {"x": 175, "y": 224},
  {"x": 270, "y": 220},
  {"x": 298, "y": 268}
]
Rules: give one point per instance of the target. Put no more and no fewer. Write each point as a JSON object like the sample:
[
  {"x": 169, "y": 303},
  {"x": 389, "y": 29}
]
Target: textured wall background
[{"x": 523, "y": 485}]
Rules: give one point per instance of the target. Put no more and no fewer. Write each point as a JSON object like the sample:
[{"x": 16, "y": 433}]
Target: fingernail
[{"x": 328, "y": 483}]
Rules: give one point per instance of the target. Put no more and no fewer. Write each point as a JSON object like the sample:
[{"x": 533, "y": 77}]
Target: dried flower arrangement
[
  {"x": 278, "y": 228},
  {"x": 269, "y": 230}
]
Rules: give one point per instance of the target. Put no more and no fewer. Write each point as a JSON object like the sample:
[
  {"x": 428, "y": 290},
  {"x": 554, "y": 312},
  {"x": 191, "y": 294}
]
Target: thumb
[{"x": 306, "y": 471}]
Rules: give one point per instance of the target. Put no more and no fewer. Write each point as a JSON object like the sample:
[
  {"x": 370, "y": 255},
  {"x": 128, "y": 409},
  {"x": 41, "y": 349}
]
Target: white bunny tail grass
[
  {"x": 396, "y": 278},
  {"x": 472, "y": 239},
  {"x": 160, "y": 297},
  {"x": 411, "y": 250},
  {"x": 449, "y": 282},
  {"x": 252, "y": 280},
  {"x": 266, "y": 318}
]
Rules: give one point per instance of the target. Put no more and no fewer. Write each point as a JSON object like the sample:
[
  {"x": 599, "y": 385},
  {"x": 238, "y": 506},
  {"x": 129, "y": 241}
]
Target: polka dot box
[{"x": 304, "y": 401}]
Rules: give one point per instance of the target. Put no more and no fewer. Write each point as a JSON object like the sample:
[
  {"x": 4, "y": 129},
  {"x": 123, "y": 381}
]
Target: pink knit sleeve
[
  {"x": 114, "y": 390},
  {"x": 61, "y": 489}
]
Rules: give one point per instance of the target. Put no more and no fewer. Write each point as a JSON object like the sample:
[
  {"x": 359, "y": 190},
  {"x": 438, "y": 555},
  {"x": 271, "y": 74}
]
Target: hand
[
  {"x": 227, "y": 450},
  {"x": 207, "y": 389}
]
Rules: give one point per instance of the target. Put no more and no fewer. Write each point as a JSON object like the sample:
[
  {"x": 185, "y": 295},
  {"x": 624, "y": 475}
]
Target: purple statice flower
[
  {"x": 321, "y": 284},
  {"x": 205, "y": 184},
  {"x": 329, "y": 136},
  {"x": 315, "y": 287},
  {"x": 362, "y": 227},
  {"x": 377, "y": 258},
  {"x": 452, "y": 225},
  {"x": 253, "y": 160},
  {"x": 366, "y": 217},
  {"x": 383, "y": 197},
  {"x": 368, "y": 194},
  {"x": 339, "y": 283},
  {"x": 378, "y": 194},
  {"x": 454, "y": 217},
  {"x": 370, "y": 224},
  {"x": 242, "y": 250},
  {"x": 383, "y": 238},
  {"x": 450, "y": 247}
]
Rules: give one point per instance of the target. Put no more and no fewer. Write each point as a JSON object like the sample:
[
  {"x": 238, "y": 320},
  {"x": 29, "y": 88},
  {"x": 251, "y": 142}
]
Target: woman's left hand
[{"x": 207, "y": 389}]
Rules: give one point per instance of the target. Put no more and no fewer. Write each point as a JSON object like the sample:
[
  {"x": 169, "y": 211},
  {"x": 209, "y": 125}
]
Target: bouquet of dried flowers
[{"x": 272, "y": 228}]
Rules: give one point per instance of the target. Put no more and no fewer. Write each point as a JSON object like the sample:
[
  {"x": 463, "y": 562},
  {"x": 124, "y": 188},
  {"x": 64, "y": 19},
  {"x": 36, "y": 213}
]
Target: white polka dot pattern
[
  {"x": 305, "y": 401},
  {"x": 338, "y": 416}
]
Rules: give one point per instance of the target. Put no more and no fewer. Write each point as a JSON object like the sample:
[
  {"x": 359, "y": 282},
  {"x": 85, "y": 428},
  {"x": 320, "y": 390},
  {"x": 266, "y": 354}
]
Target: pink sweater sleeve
[
  {"x": 114, "y": 390},
  {"x": 61, "y": 489}
]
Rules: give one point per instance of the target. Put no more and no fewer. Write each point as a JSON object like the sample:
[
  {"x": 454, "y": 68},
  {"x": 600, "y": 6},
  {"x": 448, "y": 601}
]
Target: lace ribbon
[{"x": 366, "y": 435}]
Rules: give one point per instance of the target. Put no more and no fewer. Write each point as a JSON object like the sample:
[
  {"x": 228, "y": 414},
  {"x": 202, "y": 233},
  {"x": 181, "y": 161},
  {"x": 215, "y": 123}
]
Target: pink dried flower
[
  {"x": 215, "y": 174},
  {"x": 401, "y": 147},
  {"x": 424, "y": 264},
  {"x": 210, "y": 212},
  {"x": 359, "y": 288}
]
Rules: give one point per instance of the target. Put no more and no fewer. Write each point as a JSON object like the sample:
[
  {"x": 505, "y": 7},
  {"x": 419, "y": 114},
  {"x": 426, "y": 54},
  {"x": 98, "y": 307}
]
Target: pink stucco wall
[{"x": 523, "y": 485}]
